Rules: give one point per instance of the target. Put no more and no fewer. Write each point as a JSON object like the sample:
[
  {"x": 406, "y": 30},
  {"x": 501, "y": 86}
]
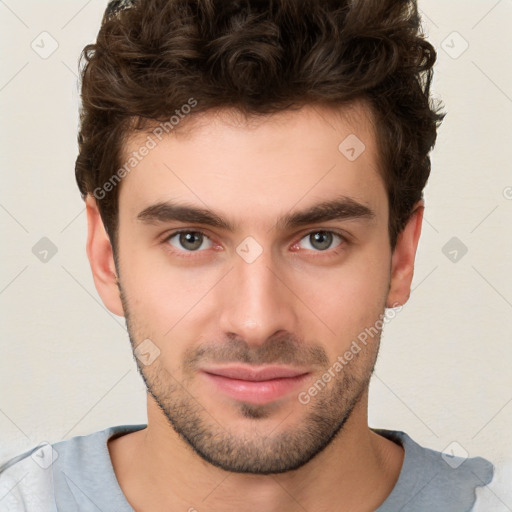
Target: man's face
[{"x": 264, "y": 294}]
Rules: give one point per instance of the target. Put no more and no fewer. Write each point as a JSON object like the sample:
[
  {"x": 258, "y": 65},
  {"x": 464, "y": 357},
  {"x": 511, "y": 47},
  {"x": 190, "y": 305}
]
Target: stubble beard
[{"x": 280, "y": 450}]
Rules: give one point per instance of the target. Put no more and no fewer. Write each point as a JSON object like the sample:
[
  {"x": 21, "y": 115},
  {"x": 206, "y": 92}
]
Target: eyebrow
[{"x": 342, "y": 208}]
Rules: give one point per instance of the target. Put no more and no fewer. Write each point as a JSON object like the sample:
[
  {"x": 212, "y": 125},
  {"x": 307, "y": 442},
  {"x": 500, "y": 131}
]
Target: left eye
[{"x": 321, "y": 240}]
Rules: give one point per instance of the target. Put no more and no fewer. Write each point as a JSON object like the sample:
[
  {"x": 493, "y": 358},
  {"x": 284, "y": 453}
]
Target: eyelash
[{"x": 184, "y": 253}]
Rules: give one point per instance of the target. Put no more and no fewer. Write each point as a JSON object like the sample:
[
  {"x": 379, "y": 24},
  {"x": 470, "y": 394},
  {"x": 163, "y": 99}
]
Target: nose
[{"x": 256, "y": 301}]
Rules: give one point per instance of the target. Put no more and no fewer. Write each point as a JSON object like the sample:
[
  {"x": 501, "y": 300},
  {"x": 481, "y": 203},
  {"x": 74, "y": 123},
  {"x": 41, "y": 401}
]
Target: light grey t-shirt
[{"x": 77, "y": 476}]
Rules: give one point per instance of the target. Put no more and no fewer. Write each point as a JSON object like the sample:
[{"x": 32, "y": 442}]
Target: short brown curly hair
[{"x": 259, "y": 57}]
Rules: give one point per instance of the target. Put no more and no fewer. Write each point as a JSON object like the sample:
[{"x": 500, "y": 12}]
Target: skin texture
[{"x": 296, "y": 304}]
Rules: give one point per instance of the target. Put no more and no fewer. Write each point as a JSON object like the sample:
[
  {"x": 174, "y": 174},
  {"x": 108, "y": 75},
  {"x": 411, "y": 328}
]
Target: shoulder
[
  {"x": 430, "y": 479},
  {"x": 497, "y": 496},
  {"x": 31, "y": 481},
  {"x": 26, "y": 483}
]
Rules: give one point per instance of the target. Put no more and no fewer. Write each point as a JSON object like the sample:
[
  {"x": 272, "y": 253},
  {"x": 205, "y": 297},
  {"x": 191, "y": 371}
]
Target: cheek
[
  {"x": 147, "y": 292},
  {"x": 348, "y": 298},
  {"x": 164, "y": 301}
]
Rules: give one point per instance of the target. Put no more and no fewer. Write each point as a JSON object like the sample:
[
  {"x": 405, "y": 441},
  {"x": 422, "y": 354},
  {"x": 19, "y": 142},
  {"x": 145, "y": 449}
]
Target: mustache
[{"x": 279, "y": 349}]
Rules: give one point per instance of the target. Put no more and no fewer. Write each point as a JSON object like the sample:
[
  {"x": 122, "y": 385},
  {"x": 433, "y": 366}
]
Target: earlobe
[
  {"x": 402, "y": 261},
  {"x": 101, "y": 259}
]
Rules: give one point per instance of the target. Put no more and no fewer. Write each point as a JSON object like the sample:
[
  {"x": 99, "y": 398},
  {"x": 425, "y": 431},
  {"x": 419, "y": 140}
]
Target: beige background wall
[{"x": 444, "y": 370}]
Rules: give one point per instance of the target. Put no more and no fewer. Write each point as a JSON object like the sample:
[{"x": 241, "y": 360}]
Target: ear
[
  {"x": 101, "y": 259},
  {"x": 402, "y": 261}
]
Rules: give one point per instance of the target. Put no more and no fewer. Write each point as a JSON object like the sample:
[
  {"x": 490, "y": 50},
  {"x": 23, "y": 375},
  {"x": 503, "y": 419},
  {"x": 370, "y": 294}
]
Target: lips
[
  {"x": 255, "y": 385},
  {"x": 256, "y": 375}
]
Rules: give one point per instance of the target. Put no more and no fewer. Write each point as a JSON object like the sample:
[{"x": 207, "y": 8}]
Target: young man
[{"x": 253, "y": 174}]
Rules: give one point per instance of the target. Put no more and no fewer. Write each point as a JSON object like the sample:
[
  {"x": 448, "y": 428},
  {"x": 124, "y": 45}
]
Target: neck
[{"x": 157, "y": 469}]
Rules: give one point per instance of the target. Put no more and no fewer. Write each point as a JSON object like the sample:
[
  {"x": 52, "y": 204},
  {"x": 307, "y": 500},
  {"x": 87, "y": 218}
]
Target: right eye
[{"x": 187, "y": 240}]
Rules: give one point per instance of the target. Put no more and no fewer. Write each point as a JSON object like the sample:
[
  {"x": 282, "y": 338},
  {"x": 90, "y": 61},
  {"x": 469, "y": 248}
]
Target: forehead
[{"x": 257, "y": 166}]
